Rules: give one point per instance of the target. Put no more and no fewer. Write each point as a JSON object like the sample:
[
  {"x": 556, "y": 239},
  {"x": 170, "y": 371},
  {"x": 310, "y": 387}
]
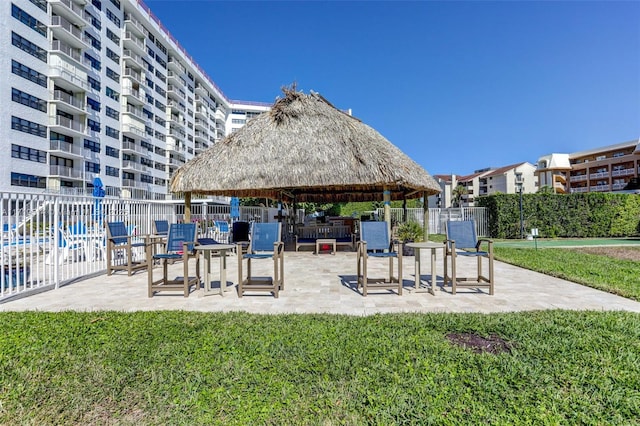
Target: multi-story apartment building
[
  {"x": 609, "y": 168},
  {"x": 507, "y": 180},
  {"x": 100, "y": 87}
]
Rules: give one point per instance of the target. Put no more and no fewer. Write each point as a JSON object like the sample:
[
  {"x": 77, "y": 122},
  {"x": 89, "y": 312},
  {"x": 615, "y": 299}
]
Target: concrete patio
[{"x": 325, "y": 284}]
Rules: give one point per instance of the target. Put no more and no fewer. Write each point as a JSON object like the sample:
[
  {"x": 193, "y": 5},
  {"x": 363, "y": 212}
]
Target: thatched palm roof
[{"x": 304, "y": 147}]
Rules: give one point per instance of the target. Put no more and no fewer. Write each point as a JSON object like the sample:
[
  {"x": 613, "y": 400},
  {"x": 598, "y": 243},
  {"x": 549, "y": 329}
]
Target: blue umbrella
[
  {"x": 98, "y": 193},
  {"x": 235, "y": 208}
]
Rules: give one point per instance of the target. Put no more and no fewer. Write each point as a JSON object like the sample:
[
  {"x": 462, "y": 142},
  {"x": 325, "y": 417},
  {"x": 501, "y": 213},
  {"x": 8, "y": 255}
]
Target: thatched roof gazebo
[{"x": 305, "y": 149}]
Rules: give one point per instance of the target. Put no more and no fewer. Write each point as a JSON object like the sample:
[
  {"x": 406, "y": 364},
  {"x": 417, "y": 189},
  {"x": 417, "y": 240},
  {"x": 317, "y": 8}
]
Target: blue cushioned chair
[
  {"x": 222, "y": 231},
  {"x": 265, "y": 243},
  {"x": 161, "y": 227},
  {"x": 240, "y": 234},
  {"x": 134, "y": 250},
  {"x": 375, "y": 242},
  {"x": 180, "y": 246},
  {"x": 462, "y": 235}
]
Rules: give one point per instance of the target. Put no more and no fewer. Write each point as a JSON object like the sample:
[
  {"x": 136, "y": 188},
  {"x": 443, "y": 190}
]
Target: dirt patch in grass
[
  {"x": 623, "y": 253},
  {"x": 493, "y": 344}
]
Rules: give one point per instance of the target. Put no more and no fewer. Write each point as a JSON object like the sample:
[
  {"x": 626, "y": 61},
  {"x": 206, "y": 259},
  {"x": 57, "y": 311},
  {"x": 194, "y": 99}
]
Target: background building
[
  {"x": 462, "y": 191},
  {"x": 100, "y": 87},
  {"x": 609, "y": 168}
]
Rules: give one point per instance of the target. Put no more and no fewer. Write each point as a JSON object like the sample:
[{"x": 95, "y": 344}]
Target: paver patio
[{"x": 325, "y": 284}]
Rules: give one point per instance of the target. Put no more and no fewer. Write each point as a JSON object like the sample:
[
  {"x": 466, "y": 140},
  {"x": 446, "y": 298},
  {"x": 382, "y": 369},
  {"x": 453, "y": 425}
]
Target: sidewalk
[{"x": 325, "y": 284}]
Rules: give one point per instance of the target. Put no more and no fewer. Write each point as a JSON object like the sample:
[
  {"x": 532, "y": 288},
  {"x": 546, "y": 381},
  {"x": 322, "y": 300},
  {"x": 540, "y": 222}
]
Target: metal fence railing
[{"x": 439, "y": 217}]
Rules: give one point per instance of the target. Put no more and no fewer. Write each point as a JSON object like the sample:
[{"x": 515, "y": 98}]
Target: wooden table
[
  {"x": 207, "y": 253},
  {"x": 418, "y": 282}
]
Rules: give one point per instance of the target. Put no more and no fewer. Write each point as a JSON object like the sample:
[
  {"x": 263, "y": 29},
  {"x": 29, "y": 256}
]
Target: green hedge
[{"x": 571, "y": 215}]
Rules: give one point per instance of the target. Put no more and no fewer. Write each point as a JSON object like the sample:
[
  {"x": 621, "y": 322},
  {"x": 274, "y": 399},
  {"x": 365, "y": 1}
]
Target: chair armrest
[
  {"x": 449, "y": 246},
  {"x": 487, "y": 241}
]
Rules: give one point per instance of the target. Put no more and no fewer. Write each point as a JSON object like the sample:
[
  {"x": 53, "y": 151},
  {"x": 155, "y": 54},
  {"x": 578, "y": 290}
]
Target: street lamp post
[{"x": 519, "y": 187}]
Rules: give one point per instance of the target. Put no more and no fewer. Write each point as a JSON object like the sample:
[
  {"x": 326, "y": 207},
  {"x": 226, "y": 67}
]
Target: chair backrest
[
  {"x": 77, "y": 228},
  {"x": 162, "y": 227},
  {"x": 264, "y": 235},
  {"x": 240, "y": 232},
  {"x": 463, "y": 232},
  {"x": 180, "y": 233},
  {"x": 376, "y": 235},
  {"x": 117, "y": 232},
  {"x": 222, "y": 225}
]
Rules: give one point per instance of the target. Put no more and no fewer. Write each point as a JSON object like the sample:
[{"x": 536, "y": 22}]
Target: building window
[
  {"x": 113, "y": 75},
  {"x": 161, "y": 62},
  {"x": 92, "y": 167},
  {"x": 111, "y": 132},
  {"x": 97, "y": 4},
  {"x": 29, "y": 154},
  {"x": 92, "y": 146},
  {"x": 28, "y": 20},
  {"x": 95, "y": 84},
  {"x": 113, "y": 56},
  {"x": 28, "y": 73},
  {"x": 148, "y": 113},
  {"x": 113, "y": 113},
  {"x": 41, "y": 4},
  {"x": 94, "y": 41},
  {"x": 95, "y": 64},
  {"x": 93, "y": 125},
  {"x": 31, "y": 48},
  {"x": 30, "y": 181},
  {"x": 28, "y": 100},
  {"x": 55, "y": 136},
  {"x": 27, "y": 126},
  {"x": 93, "y": 104},
  {"x": 113, "y": 37},
  {"x": 112, "y": 152},
  {"x": 113, "y": 18},
  {"x": 116, "y": 3},
  {"x": 113, "y": 94},
  {"x": 95, "y": 22},
  {"x": 160, "y": 105},
  {"x": 161, "y": 76},
  {"x": 112, "y": 171}
]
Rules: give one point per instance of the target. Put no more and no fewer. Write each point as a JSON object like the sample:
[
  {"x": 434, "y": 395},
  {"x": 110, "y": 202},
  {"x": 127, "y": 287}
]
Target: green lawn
[{"x": 215, "y": 368}]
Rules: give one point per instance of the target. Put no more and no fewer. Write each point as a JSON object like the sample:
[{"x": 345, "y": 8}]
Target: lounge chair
[
  {"x": 124, "y": 251},
  {"x": 462, "y": 235},
  {"x": 266, "y": 243},
  {"x": 375, "y": 242},
  {"x": 180, "y": 246}
]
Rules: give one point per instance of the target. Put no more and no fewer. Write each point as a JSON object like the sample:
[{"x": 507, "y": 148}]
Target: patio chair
[
  {"x": 265, "y": 244},
  {"x": 222, "y": 231},
  {"x": 240, "y": 234},
  {"x": 376, "y": 243},
  {"x": 161, "y": 227},
  {"x": 462, "y": 235},
  {"x": 180, "y": 246},
  {"x": 124, "y": 251}
]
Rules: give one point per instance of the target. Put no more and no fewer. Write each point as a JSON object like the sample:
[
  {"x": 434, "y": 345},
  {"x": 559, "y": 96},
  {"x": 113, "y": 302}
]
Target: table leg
[
  {"x": 434, "y": 275},
  {"x": 207, "y": 270},
  {"x": 417, "y": 264},
  {"x": 223, "y": 271}
]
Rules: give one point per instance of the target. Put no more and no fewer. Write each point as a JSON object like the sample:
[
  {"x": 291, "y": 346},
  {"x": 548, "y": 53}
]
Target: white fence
[
  {"x": 439, "y": 217},
  {"x": 49, "y": 240}
]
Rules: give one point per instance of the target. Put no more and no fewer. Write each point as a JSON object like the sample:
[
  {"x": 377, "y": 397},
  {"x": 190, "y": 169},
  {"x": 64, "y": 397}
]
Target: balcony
[
  {"x": 133, "y": 74},
  {"x": 176, "y": 92},
  {"x": 175, "y": 121},
  {"x": 202, "y": 136},
  {"x": 70, "y": 33},
  {"x": 76, "y": 105},
  {"x": 135, "y": 111},
  {"x": 131, "y": 41},
  {"x": 176, "y": 66},
  {"x": 601, "y": 188},
  {"x": 65, "y": 149},
  {"x": 623, "y": 172},
  {"x": 132, "y": 183},
  {"x": 175, "y": 106},
  {"x": 220, "y": 115},
  {"x": 66, "y": 172},
  {"x": 66, "y": 125},
  {"x": 70, "y": 10},
  {"x": 599, "y": 175},
  {"x": 201, "y": 90},
  {"x": 133, "y": 131},
  {"x": 132, "y": 165},
  {"x": 578, "y": 178},
  {"x": 201, "y": 124},
  {"x": 134, "y": 25},
  {"x": 65, "y": 77},
  {"x": 579, "y": 189},
  {"x": 200, "y": 147},
  {"x": 129, "y": 147},
  {"x": 134, "y": 96},
  {"x": 177, "y": 132},
  {"x": 201, "y": 112},
  {"x": 619, "y": 185},
  {"x": 69, "y": 51},
  {"x": 174, "y": 78}
]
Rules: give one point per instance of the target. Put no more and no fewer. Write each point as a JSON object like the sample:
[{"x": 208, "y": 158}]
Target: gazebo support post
[
  {"x": 425, "y": 215},
  {"x": 187, "y": 207},
  {"x": 386, "y": 198}
]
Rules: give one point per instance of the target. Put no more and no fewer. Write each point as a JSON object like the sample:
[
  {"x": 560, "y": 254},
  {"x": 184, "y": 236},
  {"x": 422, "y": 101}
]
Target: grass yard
[{"x": 554, "y": 367}]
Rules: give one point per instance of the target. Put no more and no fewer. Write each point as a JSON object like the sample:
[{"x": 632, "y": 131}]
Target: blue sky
[{"x": 456, "y": 85}]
